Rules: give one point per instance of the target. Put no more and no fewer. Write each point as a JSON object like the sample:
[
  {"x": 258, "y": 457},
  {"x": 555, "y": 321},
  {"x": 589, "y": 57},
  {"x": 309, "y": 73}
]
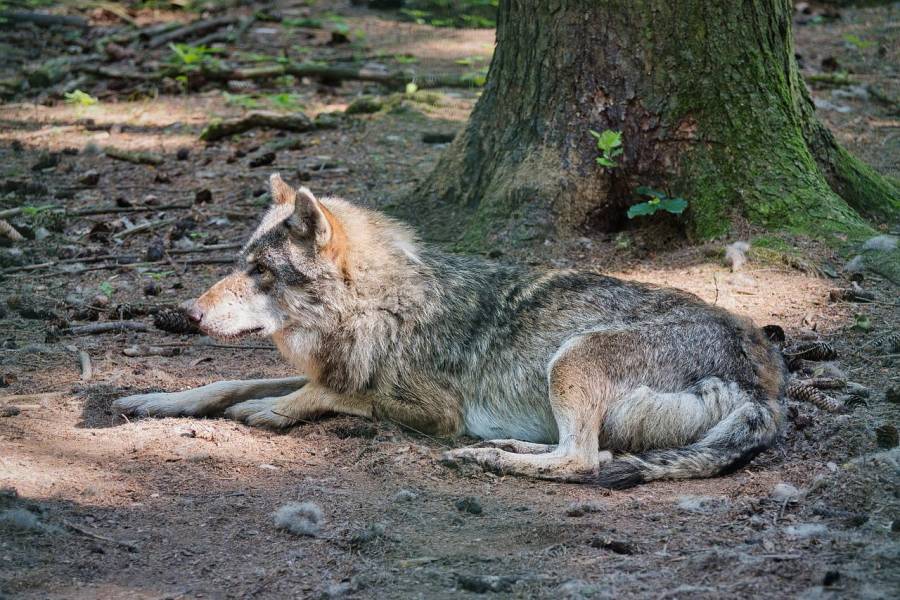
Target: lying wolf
[{"x": 556, "y": 370}]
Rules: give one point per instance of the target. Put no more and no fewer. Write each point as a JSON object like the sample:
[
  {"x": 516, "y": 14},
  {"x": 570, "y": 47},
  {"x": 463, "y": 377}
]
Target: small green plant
[
  {"x": 242, "y": 100},
  {"x": 477, "y": 78},
  {"x": 862, "y": 323},
  {"x": 79, "y": 98},
  {"x": 107, "y": 288},
  {"x": 188, "y": 55},
  {"x": 658, "y": 201},
  {"x": 33, "y": 211},
  {"x": 857, "y": 42},
  {"x": 405, "y": 59},
  {"x": 285, "y": 101},
  {"x": 609, "y": 143},
  {"x": 411, "y": 88},
  {"x": 304, "y": 23},
  {"x": 468, "y": 61}
]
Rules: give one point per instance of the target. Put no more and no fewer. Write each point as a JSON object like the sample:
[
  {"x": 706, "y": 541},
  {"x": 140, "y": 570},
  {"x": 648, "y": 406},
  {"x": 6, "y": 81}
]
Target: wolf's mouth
[{"x": 231, "y": 336}]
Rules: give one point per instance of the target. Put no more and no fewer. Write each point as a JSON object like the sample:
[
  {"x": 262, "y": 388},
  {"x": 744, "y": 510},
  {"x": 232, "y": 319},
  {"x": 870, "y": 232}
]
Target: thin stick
[
  {"x": 145, "y": 227},
  {"x": 107, "y": 327},
  {"x": 29, "y": 398},
  {"x": 79, "y": 529}
]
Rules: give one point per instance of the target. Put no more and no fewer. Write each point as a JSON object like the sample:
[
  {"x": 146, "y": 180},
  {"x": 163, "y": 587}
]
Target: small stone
[
  {"x": 785, "y": 491},
  {"x": 155, "y": 251},
  {"x": 364, "y": 105},
  {"x": 579, "y": 509},
  {"x": 892, "y": 394},
  {"x": 90, "y": 178},
  {"x": 262, "y": 160},
  {"x": 9, "y": 411},
  {"x": 437, "y": 137},
  {"x": 183, "y": 153},
  {"x": 469, "y": 504},
  {"x": 151, "y": 288},
  {"x": 485, "y": 583},
  {"x": 203, "y": 196},
  {"x": 887, "y": 437}
]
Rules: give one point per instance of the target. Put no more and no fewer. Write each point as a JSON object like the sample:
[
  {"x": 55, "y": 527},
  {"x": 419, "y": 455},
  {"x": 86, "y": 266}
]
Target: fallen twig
[
  {"x": 143, "y": 158},
  {"x": 79, "y": 529},
  {"x": 298, "y": 122},
  {"x": 42, "y": 19},
  {"x": 395, "y": 79},
  {"x": 196, "y": 28},
  {"x": 142, "y": 350},
  {"x": 107, "y": 327},
  {"x": 144, "y": 227},
  {"x": 84, "y": 362}
]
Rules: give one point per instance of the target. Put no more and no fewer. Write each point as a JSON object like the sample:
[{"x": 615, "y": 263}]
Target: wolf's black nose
[{"x": 192, "y": 311}]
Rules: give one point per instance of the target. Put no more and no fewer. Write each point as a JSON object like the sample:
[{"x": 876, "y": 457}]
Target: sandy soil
[{"x": 95, "y": 506}]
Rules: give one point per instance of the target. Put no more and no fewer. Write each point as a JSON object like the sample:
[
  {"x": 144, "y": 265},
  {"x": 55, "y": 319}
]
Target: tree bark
[{"x": 710, "y": 105}]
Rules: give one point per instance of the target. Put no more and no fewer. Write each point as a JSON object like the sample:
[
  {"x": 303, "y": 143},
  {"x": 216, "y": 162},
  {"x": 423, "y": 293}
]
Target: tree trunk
[{"x": 710, "y": 105}]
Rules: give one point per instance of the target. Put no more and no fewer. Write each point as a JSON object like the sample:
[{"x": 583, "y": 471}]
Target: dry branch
[
  {"x": 96, "y": 536},
  {"x": 297, "y": 122},
  {"x": 144, "y": 158},
  {"x": 391, "y": 79},
  {"x": 108, "y": 327},
  {"x": 42, "y": 19},
  {"x": 194, "y": 29},
  {"x": 144, "y": 227}
]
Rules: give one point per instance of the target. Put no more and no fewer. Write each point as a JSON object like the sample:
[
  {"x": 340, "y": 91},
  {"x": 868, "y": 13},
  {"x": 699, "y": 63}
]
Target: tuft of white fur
[
  {"x": 855, "y": 265},
  {"x": 736, "y": 255},
  {"x": 881, "y": 242},
  {"x": 21, "y": 519},
  {"x": 300, "y": 518},
  {"x": 405, "y": 495}
]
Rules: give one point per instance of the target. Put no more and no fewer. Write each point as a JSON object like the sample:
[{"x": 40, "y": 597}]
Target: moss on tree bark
[{"x": 711, "y": 106}]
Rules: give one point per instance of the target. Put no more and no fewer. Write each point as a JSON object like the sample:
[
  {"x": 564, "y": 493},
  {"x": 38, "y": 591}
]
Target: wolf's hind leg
[
  {"x": 580, "y": 392},
  {"x": 206, "y": 400}
]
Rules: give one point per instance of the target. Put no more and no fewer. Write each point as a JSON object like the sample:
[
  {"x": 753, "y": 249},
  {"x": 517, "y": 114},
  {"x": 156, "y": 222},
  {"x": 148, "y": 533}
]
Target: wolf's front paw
[
  {"x": 153, "y": 405},
  {"x": 261, "y": 412}
]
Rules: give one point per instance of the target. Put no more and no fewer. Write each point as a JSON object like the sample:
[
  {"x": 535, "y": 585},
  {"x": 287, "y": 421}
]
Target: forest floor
[{"x": 97, "y": 506}]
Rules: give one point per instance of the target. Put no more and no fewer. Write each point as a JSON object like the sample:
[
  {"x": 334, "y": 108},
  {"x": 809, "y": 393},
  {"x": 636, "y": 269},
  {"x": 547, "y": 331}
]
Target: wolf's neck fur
[{"x": 395, "y": 302}]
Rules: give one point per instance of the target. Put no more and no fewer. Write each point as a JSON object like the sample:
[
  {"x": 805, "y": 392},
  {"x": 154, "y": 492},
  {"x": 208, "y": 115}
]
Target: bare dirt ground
[{"x": 96, "y": 506}]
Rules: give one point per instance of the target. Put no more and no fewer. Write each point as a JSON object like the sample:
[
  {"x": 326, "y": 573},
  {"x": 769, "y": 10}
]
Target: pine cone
[
  {"x": 803, "y": 392},
  {"x": 174, "y": 321},
  {"x": 810, "y": 351},
  {"x": 888, "y": 343}
]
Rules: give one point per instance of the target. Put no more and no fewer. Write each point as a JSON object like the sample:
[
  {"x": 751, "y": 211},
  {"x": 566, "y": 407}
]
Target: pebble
[
  {"x": 469, "y": 504},
  {"x": 485, "y": 583},
  {"x": 784, "y": 491},
  {"x": 806, "y": 530}
]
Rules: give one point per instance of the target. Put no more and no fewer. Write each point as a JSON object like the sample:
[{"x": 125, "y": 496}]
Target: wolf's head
[{"x": 292, "y": 272}]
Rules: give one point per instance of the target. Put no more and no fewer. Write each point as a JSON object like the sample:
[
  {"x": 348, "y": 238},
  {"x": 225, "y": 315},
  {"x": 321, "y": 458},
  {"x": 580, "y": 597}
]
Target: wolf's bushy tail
[{"x": 726, "y": 447}]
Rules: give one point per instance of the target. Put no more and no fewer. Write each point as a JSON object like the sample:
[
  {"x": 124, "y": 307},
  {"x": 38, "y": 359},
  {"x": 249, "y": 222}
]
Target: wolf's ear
[
  {"x": 282, "y": 193},
  {"x": 310, "y": 218}
]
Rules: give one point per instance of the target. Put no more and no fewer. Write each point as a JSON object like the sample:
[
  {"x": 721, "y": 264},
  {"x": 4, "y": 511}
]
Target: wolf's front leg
[
  {"x": 206, "y": 400},
  {"x": 310, "y": 401}
]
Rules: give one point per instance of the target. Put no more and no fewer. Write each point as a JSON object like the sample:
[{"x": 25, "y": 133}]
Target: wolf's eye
[{"x": 259, "y": 269}]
